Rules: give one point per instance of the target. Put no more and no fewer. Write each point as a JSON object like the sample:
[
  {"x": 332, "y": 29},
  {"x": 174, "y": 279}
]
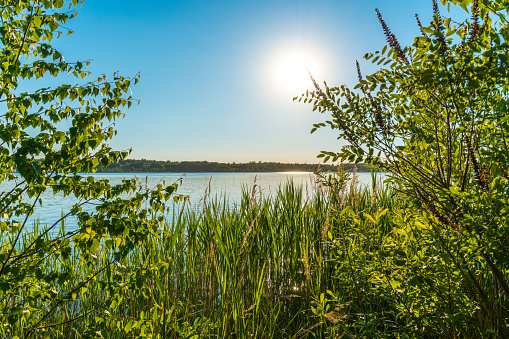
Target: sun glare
[{"x": 292, "y": 73}]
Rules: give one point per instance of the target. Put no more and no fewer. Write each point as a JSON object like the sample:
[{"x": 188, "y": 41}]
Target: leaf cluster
[{"x": 50, "y": 139}]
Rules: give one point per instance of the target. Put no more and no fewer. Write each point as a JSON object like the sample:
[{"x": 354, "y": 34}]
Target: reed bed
[
  {"x": 336, "y": 260},
  {"x": 263, "y": 268}
]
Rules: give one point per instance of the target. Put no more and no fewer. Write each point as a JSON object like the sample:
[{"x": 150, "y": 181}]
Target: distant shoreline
[{"x": 155, "y": 166}]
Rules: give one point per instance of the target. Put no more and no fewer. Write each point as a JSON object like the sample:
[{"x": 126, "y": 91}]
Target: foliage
[
  {"x": 143, "y": 165},
  {"x": 48, "y": 158},
  {"x": 436, "y": 117}
]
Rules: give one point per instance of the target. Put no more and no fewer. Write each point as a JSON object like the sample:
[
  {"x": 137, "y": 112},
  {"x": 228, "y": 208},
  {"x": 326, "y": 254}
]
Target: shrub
[{"x": 435, "y": 116}]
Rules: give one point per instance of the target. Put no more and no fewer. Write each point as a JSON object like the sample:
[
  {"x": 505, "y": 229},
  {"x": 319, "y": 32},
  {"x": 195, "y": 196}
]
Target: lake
[{"x": 229, "y": 185}]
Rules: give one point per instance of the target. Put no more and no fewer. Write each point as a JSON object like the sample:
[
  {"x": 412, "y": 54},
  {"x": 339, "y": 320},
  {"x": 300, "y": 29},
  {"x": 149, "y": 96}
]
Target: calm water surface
[{"x": 229, "y": 185}]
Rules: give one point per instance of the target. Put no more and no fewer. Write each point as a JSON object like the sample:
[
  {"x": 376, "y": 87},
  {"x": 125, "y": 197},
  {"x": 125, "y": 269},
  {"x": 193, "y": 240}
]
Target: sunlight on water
[{"x": 229, "y": 185}]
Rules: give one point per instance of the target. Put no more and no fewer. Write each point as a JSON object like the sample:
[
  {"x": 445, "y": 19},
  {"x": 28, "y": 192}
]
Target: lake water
[{"x": 229, "y": 185}]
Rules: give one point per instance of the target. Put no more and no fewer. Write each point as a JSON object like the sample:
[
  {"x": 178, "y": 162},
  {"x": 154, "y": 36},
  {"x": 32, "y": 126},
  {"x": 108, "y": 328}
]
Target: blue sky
[{"x": 208, "y": 87}]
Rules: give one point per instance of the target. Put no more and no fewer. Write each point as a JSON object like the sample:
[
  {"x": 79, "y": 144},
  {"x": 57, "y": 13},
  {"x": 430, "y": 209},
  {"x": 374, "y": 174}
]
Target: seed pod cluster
[
  {"x": 345, "y": 130},
  {"x": 430, "y": 206},
  {"x": 475, "y": 21},
  {"x": 479, "y": 172}
]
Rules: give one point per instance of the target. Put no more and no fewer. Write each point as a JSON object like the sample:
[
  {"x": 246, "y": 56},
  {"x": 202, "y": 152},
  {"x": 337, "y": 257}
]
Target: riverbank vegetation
[
  {"x": 154, "y": 166},
  {"x": 264, "y": 268},
  {"x": 338, "y": 261}
]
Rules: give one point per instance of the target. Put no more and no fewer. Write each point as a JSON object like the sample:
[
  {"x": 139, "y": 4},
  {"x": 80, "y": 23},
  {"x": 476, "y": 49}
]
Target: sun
[{"x": 293, "y": 72}]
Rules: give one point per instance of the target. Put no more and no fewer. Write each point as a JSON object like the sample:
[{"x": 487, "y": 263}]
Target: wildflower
[{"x": 391, "y": 38}]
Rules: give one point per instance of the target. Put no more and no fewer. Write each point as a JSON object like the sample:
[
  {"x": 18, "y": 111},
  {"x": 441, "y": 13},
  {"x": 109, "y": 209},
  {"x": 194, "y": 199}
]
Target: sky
[{"x": 216, "y": 84}]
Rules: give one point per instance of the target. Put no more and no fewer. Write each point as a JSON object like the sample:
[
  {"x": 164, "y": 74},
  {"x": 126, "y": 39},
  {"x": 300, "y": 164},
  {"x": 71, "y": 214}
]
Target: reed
[
  {"x": 243, "y": 270},
  {"x": 319, "y": 263}
]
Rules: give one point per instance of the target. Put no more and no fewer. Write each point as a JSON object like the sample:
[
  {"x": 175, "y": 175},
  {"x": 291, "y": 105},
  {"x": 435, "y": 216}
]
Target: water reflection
[{"x": 228, "y": 186}]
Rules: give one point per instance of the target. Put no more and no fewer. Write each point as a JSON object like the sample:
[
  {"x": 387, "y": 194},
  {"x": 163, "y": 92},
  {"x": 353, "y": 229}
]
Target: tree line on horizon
[{"x": 144, "y": 165}]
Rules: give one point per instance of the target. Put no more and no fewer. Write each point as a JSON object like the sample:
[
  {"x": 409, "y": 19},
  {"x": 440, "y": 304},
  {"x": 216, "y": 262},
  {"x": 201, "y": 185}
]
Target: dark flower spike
[
  {"x": 391, "y": 38},
  {"x": 437, "y": 23},
  {"x": 341, "y": 123},
  {"x": 419, "y": 24},
  {"x": 345, "y": 130},
  {"x": 475, "y": 21},
  {"x": 430, "y": 206},
  {"x": 387, "y": 31},
  {"x": 318, "y": 89},
  {"x": 378, "y": 116},
  {"x": 349, "y": 99},
  {"x": 333, "y": 110},
  {"x": 479, "y": 173},
  {"x": 359, "y": 74},
  {"x": 435, "y": 8}
]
